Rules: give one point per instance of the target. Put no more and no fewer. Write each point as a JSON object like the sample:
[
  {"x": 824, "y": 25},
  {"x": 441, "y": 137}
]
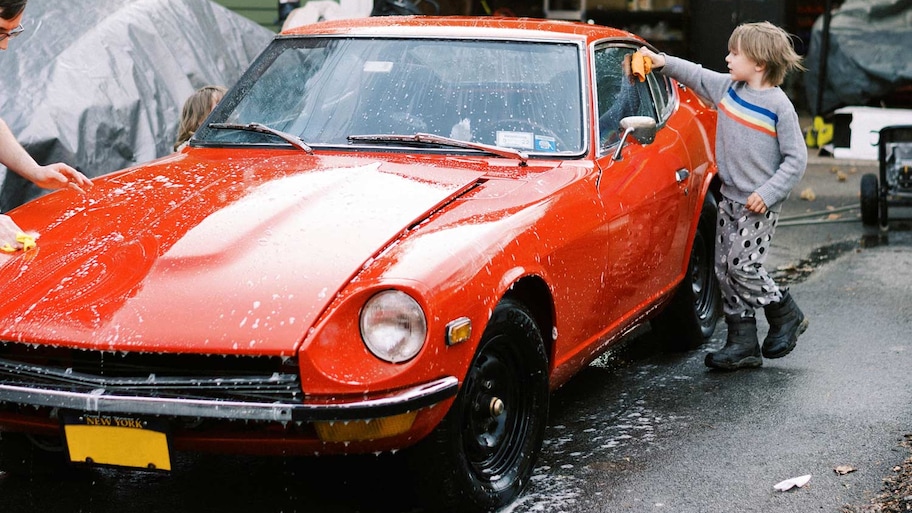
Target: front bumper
[{"x": 67, "y": 390}]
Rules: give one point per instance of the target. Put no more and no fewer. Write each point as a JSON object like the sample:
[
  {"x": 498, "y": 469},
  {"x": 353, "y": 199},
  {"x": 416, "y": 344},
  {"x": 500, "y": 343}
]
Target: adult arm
[{"x": 53, "y": 176}]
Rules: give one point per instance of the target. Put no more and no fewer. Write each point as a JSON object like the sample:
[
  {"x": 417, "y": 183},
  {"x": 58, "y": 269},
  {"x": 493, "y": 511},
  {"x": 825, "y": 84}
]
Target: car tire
[
  {"x": 28, "y": 456},
  {"x": 870, "y": 197},
  {"x": 482, "y": 454},
  {"x": 691, "y": 317}
]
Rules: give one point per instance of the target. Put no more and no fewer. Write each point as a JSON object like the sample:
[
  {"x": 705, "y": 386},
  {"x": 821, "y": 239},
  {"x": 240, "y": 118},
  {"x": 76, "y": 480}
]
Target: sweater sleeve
[
  {"x": 707, "y": 83},
  {"x": 794, "y": 160}
]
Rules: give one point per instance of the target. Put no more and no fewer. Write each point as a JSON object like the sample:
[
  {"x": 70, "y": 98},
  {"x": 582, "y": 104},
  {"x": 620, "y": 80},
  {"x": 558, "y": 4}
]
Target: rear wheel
[
  {"x": 482, "y": 454},
  {"x": 870, "y": 199},
  {"x": 691, "y": 317}
]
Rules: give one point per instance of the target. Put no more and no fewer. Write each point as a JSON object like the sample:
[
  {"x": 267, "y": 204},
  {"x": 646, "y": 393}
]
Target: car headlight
[{"x": 393, "y": 326}]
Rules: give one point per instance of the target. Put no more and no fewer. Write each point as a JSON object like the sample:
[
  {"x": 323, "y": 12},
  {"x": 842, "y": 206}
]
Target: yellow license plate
[{"x": 116, "y": 440}]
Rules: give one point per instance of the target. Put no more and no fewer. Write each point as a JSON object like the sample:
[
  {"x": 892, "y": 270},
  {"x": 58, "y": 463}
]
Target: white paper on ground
[{"x": 788, "y": 484}]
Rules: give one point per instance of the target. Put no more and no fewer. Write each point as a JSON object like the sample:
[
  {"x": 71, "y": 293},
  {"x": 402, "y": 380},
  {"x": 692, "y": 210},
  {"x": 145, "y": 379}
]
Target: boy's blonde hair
[
  {"x": 768, "y": 46},
  {"x": 195, "y": 110}
]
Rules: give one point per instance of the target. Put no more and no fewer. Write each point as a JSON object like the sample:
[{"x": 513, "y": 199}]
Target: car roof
[{"x": 463, "y": 26}]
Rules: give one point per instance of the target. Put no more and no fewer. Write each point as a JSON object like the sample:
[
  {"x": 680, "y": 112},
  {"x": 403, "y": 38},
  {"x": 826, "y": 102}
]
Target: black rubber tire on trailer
[
  {"x": 884, "y": 210},
  {"x": 482, "y": 454},
  {"x": 870, "y": 199},
  {"x": 691, "y": 317}
]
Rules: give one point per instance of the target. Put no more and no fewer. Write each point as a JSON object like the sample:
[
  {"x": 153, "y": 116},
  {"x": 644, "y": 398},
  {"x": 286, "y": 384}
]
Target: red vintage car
[{"x": 391, "y": 233}]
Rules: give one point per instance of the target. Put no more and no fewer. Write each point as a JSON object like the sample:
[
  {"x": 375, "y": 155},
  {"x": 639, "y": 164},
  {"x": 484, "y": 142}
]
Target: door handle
[{"x": 680, "y": 176}]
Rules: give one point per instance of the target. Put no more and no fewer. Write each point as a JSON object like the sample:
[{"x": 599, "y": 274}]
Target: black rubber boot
[
  {"x": 741, "y": 350},
  {"x": 786, "y": 322}
]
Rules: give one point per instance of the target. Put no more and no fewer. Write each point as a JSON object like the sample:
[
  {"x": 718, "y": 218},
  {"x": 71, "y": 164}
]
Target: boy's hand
[
  {"x": 658, "y": 59},
  {"x": 755, "y": 204}
]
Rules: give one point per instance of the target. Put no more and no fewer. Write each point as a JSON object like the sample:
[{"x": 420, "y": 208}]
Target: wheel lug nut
[{"x": 496, "y": 407}]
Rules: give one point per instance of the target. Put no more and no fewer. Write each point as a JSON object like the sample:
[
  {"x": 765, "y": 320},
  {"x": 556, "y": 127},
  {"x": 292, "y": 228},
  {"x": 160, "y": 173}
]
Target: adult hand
[
  {"x": 8, "y": 231},
  {"x": 755, "y": 204},
  {"x": 58, "y": 176}
]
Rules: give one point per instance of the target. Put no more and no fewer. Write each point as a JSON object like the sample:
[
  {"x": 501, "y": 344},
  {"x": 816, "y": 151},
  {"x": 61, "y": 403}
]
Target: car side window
[
  {"x": 662, "y": 94},
  {"x": 619, "y": 93}
]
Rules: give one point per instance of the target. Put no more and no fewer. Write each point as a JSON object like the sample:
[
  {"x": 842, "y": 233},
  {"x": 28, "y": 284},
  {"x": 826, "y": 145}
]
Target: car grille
[{"x": 219, "y": 377}]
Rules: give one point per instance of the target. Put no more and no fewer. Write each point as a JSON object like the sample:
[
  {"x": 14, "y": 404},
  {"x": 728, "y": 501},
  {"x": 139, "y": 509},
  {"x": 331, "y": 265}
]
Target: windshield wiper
[
  {"x": 263, "y": 129},
  {"x": 500, "y": 151}
]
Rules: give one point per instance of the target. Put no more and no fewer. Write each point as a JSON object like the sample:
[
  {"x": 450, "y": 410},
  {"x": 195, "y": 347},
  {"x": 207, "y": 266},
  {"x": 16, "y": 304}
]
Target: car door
[{"x": 644, "y": 188}]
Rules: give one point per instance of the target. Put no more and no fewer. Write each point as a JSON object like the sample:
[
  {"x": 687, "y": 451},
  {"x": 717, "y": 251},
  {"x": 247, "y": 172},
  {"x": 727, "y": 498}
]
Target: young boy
[{"x": 761, "y": 156}]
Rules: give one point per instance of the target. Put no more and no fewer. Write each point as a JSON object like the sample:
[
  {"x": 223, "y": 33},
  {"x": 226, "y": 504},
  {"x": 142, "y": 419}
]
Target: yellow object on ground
[
  {"x": 27, "y": 241},
  {"x": 819, "y": 134},
  {"x": 640, "y": 66}
]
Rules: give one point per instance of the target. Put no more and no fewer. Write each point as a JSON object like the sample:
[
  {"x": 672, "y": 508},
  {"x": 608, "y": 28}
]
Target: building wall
[{"x": 264, "y": 12}]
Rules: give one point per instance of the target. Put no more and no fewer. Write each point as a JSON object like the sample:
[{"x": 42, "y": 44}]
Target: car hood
[{"x": 194, "y": 255}]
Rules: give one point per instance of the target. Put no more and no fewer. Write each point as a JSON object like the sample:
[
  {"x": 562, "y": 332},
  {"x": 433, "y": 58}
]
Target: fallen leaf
[
  {"x": 840, "y": 176},
  {"x": 808, "y": 194},
  {"x": 833, "y": 217},
  {"x": 844, "y": 469},
  {"x": 788, "y": 484}
]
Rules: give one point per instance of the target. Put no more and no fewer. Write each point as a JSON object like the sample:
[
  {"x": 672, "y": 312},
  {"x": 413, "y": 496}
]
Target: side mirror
[{"x": 642, "y": 128}]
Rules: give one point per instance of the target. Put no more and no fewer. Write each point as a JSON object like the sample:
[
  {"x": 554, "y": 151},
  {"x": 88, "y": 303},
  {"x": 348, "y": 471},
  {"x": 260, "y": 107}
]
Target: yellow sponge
[
  {"x": 640, "y": 66},
  {"x": 27, "y": 241}
]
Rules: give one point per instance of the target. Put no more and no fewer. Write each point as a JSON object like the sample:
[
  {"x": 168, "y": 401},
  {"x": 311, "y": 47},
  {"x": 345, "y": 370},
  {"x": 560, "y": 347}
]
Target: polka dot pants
[{"x": 742, "y": 243}]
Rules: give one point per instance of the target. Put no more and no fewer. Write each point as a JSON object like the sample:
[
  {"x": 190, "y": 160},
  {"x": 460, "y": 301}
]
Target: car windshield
[{"x": 327, "y": 91}]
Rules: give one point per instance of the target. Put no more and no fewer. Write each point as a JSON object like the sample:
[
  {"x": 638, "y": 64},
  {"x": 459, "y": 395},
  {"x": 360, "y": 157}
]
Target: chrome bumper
[{"x": 101, "y": 401}]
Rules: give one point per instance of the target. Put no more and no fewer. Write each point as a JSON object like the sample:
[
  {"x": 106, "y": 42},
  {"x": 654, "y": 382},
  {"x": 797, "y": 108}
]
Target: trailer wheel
[{"x": 870, "y": 201}]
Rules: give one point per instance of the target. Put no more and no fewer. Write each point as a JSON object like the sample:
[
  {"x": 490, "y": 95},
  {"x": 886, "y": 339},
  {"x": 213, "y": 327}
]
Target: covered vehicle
[
  {"x": 860, "y": 55},
  {"x": 105, "y": 92},
  {"x": 392, "y": 233}
]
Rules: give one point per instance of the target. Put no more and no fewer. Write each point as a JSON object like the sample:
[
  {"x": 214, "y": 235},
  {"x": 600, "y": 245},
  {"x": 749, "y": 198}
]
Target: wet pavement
[{"x": 663, "y": 433}]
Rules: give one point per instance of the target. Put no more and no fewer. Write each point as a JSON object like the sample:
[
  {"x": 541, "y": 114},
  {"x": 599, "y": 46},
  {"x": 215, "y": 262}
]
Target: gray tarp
[
  {"x": 868, "y": 56},
  {"x": 99, "y": 84}
]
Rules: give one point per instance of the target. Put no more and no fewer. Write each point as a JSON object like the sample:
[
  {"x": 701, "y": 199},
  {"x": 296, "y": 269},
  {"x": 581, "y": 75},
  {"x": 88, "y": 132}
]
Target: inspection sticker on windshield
[
  {"x": 124, "y": 441},
  {"x": 523, "y": 140},
  {"x": 545, "y": 143},
  {"x": 378, "y": 66}
]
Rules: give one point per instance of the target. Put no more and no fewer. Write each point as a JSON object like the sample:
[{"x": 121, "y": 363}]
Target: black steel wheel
[
  {"x": 482, "y": 455},
  {"x": 870, "y": 199},
  {"x": 691, "y": 317}
]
